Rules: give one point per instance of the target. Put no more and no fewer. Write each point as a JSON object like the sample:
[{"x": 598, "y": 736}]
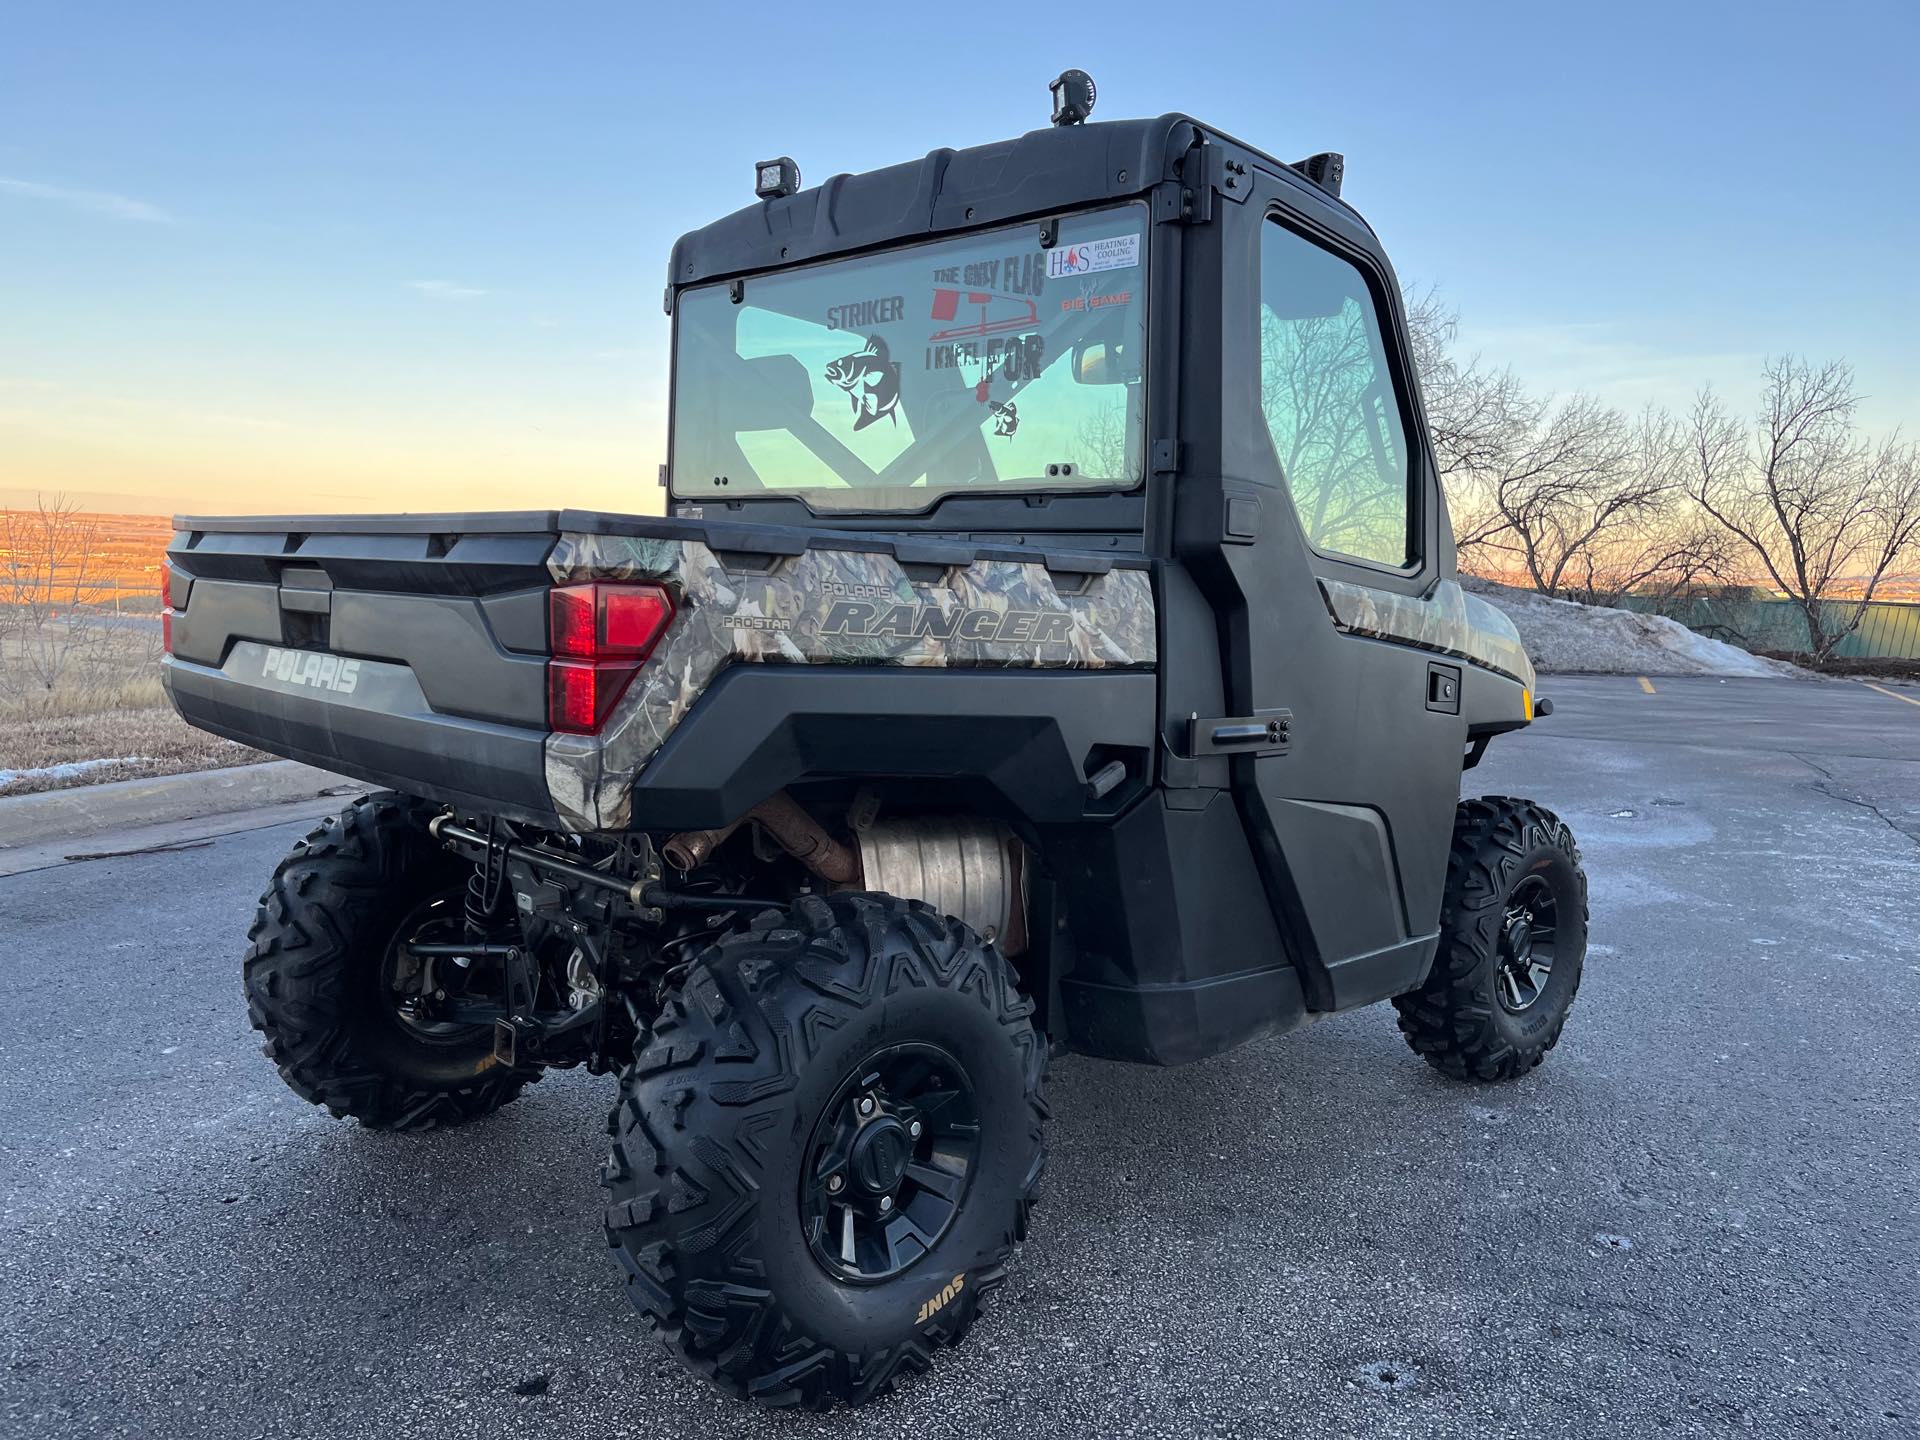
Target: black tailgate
[{"x": 406, "y": 650}]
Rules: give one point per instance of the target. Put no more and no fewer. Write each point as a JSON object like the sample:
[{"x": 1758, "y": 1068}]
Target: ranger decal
[{"x": 865, "y": 617}]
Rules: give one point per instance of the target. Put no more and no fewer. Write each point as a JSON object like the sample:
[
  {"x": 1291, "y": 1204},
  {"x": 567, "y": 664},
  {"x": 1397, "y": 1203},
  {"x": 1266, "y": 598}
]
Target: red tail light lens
[
  {"x": 632, "y": 619},
  {"x": 602, "y": 633},
  {"x": 570, "y": 616},
  {"x": 579, "y": 694},
  {"x": 608, "y": 622}
]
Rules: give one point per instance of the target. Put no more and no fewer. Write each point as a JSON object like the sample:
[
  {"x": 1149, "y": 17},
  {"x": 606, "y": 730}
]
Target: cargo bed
[{"x": 415, "y": 651}]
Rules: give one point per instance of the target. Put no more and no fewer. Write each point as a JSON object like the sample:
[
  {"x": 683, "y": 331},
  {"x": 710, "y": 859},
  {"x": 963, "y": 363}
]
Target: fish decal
[{"x": 872, "y": 382}]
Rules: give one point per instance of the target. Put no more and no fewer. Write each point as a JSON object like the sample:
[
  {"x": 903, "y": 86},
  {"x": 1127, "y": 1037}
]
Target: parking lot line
[
  {"x": 1647, "y": 685},
  {"x": 1890, "y": 694}
]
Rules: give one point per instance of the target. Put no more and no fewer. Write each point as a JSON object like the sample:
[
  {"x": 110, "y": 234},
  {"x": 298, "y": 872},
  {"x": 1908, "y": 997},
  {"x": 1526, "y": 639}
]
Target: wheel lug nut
[
  {"x": 866, "y": 1105},
  {"x": 886, "y": 1202},
  {"x": 836, "y": 1183},
  {"x": 914, "y": 1129}
]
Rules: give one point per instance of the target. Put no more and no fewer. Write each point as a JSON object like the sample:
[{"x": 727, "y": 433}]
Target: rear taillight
[
  {"x": 166, "y": 609},
  {"x": 601, "y": 634}
]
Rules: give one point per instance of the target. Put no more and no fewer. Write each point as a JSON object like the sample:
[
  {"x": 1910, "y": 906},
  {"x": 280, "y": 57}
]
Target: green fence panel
[{"x": 1889, "y": 630}]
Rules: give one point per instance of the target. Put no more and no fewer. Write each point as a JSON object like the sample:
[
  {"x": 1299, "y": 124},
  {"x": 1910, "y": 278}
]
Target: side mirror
[{"x": 1102, "y": 362}]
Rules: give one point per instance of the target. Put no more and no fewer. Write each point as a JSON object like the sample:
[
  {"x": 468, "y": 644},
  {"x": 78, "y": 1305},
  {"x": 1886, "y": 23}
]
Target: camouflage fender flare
[
  {"x": 824, "y": 607},
  {"x": 1449, "y": 622}
]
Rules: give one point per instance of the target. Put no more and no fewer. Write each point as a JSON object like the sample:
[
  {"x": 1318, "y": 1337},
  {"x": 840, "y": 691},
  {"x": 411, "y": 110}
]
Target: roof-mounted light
[
  {"x": 1327, "y": 170},
  {"x": 773, "y": 179},
  {"x": 1072, "y": 97}
]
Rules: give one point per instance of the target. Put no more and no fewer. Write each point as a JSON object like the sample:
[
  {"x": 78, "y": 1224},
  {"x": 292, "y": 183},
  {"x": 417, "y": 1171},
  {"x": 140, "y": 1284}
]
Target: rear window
[{"x": 981, "y": 363}]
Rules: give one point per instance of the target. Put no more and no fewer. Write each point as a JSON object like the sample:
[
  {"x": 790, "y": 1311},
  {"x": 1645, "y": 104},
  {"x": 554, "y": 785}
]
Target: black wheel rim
[
  {"x": 416, "y": 987},
  {"x": 1525, "y": 965},
  {"x": 889, "y": 1164}
]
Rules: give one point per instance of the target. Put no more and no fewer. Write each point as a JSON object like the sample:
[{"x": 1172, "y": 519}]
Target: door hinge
[
  {"x": 1173, "y": 204},
  {"x": 1166, "y": 456},
  {"x": 1188, "y": 200}
]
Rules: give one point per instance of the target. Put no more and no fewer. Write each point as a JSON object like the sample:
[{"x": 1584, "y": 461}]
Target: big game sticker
[{"x": 1118, "y": 252}]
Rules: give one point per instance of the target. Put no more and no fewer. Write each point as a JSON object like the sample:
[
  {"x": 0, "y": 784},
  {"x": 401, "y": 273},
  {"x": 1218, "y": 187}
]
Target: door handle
[
  {"x": 1265, "y": 732},
  {"x": 1241, "y": 734}
]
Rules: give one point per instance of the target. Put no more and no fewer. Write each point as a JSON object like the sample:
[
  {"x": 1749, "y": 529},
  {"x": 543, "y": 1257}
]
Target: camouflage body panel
[
  {"x": 1450, "y": 622},
  {"x": 824, "y": 607}
]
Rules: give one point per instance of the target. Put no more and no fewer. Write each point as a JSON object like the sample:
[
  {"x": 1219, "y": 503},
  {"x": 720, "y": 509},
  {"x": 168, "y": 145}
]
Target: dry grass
[
  {"x": 105, "y": 702},
  {"x": 163, "y": 742},
  {"x": 77, "y": 665}
]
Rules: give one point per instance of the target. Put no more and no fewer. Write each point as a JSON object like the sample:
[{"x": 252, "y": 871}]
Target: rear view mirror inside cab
[{"x": 1103, "y": 362}]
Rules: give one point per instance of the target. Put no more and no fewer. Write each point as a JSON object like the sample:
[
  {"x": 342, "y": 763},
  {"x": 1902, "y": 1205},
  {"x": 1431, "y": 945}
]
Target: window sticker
[
  {"x": 871, "y": 380},
  {"x": 865, "y": 314},
  {"x": 1117, "y": 252}
]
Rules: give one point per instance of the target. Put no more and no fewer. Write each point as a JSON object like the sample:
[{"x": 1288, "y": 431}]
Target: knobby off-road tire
[
  {"x": 1475, "y": 1018},
  {"x": 317, "y": 976},
  {"x": 716, "y": 1127}
]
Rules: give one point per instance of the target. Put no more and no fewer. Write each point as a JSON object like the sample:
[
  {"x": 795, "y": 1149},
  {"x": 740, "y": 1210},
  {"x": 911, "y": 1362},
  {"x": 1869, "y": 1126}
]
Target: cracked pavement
[{"x": 1697, "y": 1218}]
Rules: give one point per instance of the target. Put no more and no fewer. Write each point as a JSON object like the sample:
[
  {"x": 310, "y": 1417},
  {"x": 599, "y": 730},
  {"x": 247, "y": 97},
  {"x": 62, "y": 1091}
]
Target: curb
[{"x": 124, "y": 804}]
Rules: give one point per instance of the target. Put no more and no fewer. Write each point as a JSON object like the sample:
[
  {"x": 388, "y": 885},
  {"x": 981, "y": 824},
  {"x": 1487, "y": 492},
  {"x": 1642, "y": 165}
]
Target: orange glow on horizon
[{"x": 138, "y": 463}]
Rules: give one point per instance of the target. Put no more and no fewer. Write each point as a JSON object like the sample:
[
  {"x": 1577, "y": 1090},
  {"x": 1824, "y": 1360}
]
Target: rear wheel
[
  {"x": 824, "y": 1152},
  {"x": 350, "y": 1016},
  {"x": 1513, "y": 939}
]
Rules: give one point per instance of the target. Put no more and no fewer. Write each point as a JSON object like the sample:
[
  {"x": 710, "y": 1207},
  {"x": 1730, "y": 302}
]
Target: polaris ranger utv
[{"x": 1053, "y": 645}]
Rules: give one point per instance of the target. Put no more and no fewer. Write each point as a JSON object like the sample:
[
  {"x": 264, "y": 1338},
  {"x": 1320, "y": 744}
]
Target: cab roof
[{"x": 1044, "y": 171}]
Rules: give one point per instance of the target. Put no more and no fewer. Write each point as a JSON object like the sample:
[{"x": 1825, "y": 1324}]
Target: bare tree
[
  {"x": 1581, "y": 500},
  {"x": 1473, "y": 413},
  {"x": 1672, "y": 554},
  {"x": 49, "y": 578},
  {"x": 1572, "y": 496},
  {"x": 1107, "y": 443},
  {"x": 1824, "y": 511}
]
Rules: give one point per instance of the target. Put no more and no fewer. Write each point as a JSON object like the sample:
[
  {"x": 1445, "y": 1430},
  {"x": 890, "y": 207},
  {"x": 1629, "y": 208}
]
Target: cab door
[{"x": 1316, "y": 497}]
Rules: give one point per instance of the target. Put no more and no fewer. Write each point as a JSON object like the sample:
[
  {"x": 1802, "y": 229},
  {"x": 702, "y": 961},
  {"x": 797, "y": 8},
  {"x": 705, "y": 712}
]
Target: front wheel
[
  {"x": 1513, "y": 939},
  {"x": 825, "y": 1149}
]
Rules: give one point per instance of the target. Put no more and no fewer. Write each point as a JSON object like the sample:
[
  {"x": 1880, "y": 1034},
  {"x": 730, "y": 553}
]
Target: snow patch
[
  {"x": 69, "y": 769},
  {"x": 1565, "y": 635}
]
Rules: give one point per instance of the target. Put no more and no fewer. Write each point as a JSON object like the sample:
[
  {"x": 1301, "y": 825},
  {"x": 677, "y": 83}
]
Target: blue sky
[{"x": 386, "y": 256}]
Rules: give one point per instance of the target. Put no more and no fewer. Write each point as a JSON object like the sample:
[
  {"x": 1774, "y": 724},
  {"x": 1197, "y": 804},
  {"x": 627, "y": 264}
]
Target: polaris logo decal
[
  {"x": 902, "y": 621},
  {"x": 305, "y": 667}
]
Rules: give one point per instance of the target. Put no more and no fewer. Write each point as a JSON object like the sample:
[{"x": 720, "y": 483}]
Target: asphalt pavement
[{"x": 1697, "y": 1218}]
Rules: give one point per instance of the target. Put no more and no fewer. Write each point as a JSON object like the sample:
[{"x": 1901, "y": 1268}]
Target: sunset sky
[{"x": 344, "y": 257}]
